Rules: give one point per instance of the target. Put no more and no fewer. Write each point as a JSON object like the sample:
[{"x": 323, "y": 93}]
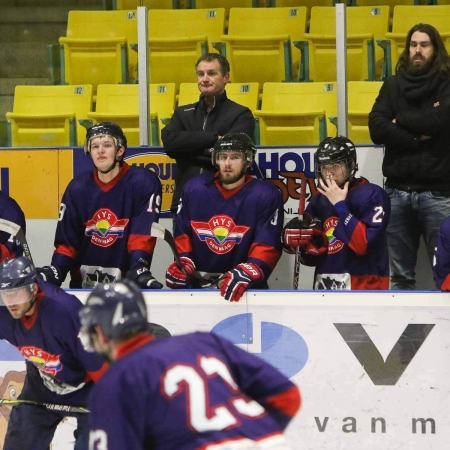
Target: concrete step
[
  {"x": 74, "y": 4},
  {"x": 24, "y": 58}
]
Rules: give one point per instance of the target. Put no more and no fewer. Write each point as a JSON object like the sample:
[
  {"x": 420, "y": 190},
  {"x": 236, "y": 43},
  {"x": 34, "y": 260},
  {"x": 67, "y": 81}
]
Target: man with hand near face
[{"x": 343, "y": 232}]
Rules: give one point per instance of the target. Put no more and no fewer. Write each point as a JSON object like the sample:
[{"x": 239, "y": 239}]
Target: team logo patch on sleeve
[
  {"x": 105, "y": 228},
  {"x": 220, "y": 233},
  {"x": 43, "y": 360}
]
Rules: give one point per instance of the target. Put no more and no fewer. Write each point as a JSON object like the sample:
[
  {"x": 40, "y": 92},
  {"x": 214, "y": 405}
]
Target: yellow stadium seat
[
  {"x": 364, "y": 59},
  {"x": 47, "y": 116},
  {"x": 361, "y": 97},
  {"x": 246, "y": 94},
  {"x": 177, "y": 38},
  {"x": 295, "y": 3},
  {"x": 120, "y": 104},
  {"x": 295, "y": 113},
  {"x": 95, "y": 50},
  {"x": 404, "y": 18},
  {"x": 259, "y": 43},
  {"x": 155, "y": 4}
]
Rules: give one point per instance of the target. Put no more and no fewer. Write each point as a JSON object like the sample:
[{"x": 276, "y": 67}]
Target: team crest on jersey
[
  {"x": 43, "y": 360},
  {"x": 220, "y": 233},
  {"x": 334, "y": 244},
  {"x": 105, "y": 228}
]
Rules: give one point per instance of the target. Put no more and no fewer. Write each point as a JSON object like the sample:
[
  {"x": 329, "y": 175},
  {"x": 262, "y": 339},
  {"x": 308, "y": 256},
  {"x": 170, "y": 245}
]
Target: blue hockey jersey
[
  {"x": 48, "y": 340},
  {"x": 357, "y": 256},
  {"x": 441, "y": 263},
  {"x": 10, "y": 210},
  {"x": 104, "y": 229},
  {"x": 219, "y": 229},
  {"x": 188, "y": 392}
]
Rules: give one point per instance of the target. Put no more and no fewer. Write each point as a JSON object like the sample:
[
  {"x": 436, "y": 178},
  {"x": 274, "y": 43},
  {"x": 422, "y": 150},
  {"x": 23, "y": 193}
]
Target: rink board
[{"x": 373, "y": 368}]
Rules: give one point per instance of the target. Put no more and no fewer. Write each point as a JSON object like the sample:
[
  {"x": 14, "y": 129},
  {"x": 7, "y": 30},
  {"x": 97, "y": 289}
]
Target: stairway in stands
[{"x": 26, "y": 27}]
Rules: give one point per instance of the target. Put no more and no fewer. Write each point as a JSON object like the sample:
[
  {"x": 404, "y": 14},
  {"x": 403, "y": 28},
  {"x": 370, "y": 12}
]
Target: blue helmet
[
  {"x": 118, "y": 309},
  {"x": 18, "y": 272}
]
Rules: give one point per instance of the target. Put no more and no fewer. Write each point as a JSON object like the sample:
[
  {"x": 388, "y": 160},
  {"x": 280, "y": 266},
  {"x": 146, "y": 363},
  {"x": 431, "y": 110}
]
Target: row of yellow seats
[
  {"x": 262, "y": 44},
  {"x": 288, "y": 113}
]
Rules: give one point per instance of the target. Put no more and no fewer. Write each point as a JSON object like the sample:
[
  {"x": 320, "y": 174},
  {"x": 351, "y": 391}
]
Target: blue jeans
[{"x": 413, "y": 214}]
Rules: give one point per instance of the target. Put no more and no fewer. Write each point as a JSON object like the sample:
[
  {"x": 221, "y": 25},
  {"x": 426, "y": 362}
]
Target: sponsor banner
[
  {"x": 374, "y": 371},
  {"x": 51, "y": 170}
]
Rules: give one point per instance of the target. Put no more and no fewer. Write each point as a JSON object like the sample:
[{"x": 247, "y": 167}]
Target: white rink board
[{"x": 333, "y": 383}]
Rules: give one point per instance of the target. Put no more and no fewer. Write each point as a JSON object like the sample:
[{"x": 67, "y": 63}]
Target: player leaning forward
[
  {"x": 42, "y": 321},
  {"x": 228, "y": 223},
  {"x": 105, "y": 217},
  {"x": 188, "y": 392},
  {"x": 343, "y": 232}
]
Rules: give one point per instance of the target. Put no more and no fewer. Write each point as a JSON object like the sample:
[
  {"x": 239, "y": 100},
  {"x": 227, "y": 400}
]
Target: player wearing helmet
[
  {"x": 343, "y": 232},
  {"x": 105, "y": 217},
  {"x": 186, "y": 392},
  {"x": 227, "y": 223},
  {"x": 59, "y": 370}
]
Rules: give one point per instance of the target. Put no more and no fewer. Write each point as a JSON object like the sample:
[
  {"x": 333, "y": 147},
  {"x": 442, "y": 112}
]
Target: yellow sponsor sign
[
  {"x": 165, "y": 169},
  {"x": 36, "y": 179}
]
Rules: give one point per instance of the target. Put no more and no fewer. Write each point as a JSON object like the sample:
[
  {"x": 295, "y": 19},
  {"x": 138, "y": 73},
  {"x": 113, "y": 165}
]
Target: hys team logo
[
  {"x": 220, "y": 233},
  {"x": 43, "y": 360},
  {"x": 105, "y": 228},
  {"x": 334, "y": 244}
]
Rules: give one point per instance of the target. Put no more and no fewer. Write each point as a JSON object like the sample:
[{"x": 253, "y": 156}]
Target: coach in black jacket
[
  {"x": 194, "y": 129},
  {"x": 411, "y": 117}
]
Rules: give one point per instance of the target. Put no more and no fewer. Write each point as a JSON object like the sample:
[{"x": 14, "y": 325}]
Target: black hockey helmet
[
  {"x": 118, "y": 309},
  {"x": 236, "y": 142},
  {"x": 333, "y": 150},
  {"x": 17, "y": 274},
  {"x": 105, "y": 129}
]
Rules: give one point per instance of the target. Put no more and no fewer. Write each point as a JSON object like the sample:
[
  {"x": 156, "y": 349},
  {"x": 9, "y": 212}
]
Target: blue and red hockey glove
[
  {"x": 306, "y": 235},
  {"x": 175, "y": 278},
  {"x": 143, "y": 278},
  {"x": 236, "y": 281}
]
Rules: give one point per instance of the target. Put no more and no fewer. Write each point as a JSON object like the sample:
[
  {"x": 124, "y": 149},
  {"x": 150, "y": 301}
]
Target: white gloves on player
[
  {"x": 236, "y": 281},
  {"x": 176, "y": 278}
]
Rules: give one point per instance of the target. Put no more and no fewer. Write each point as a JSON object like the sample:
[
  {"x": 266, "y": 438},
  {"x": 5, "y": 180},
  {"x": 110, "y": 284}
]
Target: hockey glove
[
  {"x": 143, "y": 278},
  {"x": 236, "y": 281},
  {"x": 175, "y": 278},
  {"x": 308, "y": 236},
  {"x": 51, "y": 274}
]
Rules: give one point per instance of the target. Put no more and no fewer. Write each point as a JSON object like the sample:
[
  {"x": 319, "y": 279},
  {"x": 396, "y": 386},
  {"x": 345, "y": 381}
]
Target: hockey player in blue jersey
[
  {"x": 195, "y": 391},
  {"x": 42, "y": 321},
  {"x": 343, "y": 232},
  {"x": 228, "y": 224},
  {"x": 103, "y": 232},
  {"x": 11, "y": 211}
]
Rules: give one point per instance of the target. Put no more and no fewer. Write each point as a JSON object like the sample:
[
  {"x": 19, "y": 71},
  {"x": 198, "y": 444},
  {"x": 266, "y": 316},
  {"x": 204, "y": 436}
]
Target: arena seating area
[{"x": 282, "y": 56}]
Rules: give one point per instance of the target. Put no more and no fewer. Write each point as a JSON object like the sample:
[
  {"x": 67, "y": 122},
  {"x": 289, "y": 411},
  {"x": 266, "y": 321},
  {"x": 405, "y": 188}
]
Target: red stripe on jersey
[
  {"x": 95, "y": 376},
  {"x": 5, "y": 252},
  {"x": 67, "y": 251},
  {"x": 183, "y": 244},
  {"x": 358, "y": 242},
  {"x": 367, "y": 282},
  {"x": 141, "y": 242},
  {"x": 265, "y": 253},
  {"x": 445, "y": 286},
  {"x": 288, "y": 402}
]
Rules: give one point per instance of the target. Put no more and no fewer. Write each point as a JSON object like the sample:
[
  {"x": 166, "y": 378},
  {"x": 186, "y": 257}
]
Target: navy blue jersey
[
  {"x": 441, "y": 263},
  {"x": 188, "y": 392},
  {"x": 48, "y": 339},
  {"x": 357, "y": 256},
  {"x": 10, "y": 210},
  {"x": 219, "y": 229},
  {"x": 104, "y": 229}
]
